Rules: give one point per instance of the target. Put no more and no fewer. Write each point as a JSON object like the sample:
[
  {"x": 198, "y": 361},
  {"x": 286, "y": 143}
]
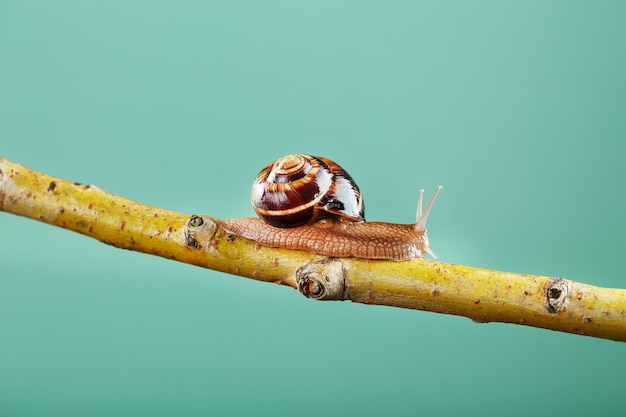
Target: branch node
[
  {"x": 322, "y": 280},
  {"x": 199, "y": 231},
  {"x": 558, "y": 293}
]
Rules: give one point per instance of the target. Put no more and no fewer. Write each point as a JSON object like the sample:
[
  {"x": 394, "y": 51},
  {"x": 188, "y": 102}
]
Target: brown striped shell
[{"x": 298, "y": 189}]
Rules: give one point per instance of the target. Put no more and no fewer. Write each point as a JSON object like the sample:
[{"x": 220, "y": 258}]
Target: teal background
[{"x": 517, "y": 108}]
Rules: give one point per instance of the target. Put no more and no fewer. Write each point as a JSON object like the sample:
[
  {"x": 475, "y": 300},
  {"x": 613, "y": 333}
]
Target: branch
[{"x": 479, "y": 294}]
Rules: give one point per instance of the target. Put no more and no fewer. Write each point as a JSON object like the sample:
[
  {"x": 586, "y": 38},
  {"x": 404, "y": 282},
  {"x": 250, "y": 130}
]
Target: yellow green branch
[{"x": 479, "y": 294}]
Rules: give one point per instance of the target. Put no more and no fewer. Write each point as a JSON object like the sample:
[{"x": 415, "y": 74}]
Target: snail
[{"x": 310, "y": 203}]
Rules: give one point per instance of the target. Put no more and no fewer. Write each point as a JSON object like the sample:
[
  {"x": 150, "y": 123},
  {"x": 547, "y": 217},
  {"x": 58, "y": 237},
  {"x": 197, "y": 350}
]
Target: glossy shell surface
[{"x": 298, "y": 189}]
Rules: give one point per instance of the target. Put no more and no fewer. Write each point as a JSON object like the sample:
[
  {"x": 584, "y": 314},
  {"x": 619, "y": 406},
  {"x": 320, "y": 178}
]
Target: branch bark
[{"x": 479, "y": 294}]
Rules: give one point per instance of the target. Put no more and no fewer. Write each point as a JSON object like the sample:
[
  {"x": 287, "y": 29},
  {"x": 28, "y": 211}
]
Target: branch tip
[{"x": 2, "y": 187}]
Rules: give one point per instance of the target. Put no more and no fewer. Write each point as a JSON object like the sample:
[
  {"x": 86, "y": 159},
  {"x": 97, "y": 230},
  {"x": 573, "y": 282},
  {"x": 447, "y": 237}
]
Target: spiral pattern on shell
[{"x": 298, "y": 189}]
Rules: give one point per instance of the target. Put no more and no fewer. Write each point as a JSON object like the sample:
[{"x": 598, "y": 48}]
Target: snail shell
[
  {"x": 299, "y": 189},
  {"x": 310, "y": 203}
]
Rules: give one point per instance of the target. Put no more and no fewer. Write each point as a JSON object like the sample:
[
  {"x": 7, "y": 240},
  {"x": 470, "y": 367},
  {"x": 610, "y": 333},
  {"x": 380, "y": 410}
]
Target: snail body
[
  {"x": 369, "y": 240},
  {"x": 310, "y": 203}
]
